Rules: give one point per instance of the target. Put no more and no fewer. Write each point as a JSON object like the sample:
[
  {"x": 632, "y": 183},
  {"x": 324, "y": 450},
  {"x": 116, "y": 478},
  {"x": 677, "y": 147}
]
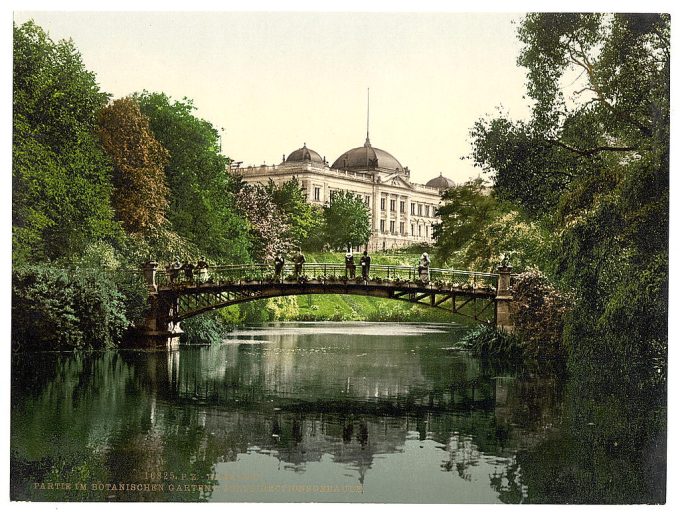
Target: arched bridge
[{"x": 175, "y": 296}]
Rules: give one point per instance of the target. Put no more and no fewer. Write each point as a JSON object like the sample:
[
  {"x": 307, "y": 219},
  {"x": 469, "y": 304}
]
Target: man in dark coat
[
  {"x": 279, "y": 261},
  {"x": 365, "y": 265},
  {"x": 299, "y": 260}
]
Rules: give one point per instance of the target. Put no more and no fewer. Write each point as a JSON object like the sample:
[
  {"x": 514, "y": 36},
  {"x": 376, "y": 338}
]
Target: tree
[
  {"x": 61, "y": 178},
  {"x": 465, "y": 210},
  {"x": 268, "y": 224},
  {"x": 303, "y": 220},
  {"x": 347, "y": 221},
  {"x": 602, "y": 142},
  {"x": 140, "y": 197},
  {"x": 476, "y": 230},
  {"x": 202, "y": 206}
]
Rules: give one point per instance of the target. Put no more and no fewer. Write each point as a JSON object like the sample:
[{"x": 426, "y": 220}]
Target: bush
[
  {"x": 488, "y": 341},
  {"x": 206, "y": 329},
  {"x": 55, "y": 308},
  {"x": 539, "y": 314}
]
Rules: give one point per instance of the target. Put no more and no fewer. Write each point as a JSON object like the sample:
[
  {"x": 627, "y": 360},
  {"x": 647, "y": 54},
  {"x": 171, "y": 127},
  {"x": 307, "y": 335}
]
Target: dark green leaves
[
  {"x": 348, "y": 221},
  {"x": 60, "y": 177}
]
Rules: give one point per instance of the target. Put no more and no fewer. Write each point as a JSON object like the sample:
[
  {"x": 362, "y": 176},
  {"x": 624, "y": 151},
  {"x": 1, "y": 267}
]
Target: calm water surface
[{"x": 347, "y": 412}]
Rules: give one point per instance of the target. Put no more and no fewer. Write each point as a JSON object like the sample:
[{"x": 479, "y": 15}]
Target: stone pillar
[
  {"x": 504, "y": 300},
  {"x": 150, "y": 269},
  {"x": 158, "y": 329}
]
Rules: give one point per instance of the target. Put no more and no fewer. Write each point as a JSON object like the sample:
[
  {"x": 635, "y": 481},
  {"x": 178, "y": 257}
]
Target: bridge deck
[{"x": 326, "y": 273}]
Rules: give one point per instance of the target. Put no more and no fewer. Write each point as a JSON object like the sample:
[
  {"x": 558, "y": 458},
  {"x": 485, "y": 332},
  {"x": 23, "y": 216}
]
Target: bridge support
[
  {"x": 158, "y": 330},
  {"x": 504, "y": 300}
]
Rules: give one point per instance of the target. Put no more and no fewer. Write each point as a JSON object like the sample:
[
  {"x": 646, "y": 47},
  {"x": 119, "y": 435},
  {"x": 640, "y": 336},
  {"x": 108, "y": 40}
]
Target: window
[
  {"x": 332, "y": 195},
  {"x": 382, "y": 203},
  {"x": 382, "y": 225},
  {"x": 393, "y": 205},
  {"x": 427, "y": 231},
  {"x": 402, "y": 207},
  {"x": 317, "y": 193},
  {"x": 427, "y": 211},
  {"x": 413, "y": 229},
  {"x": 367, "y": 200},
  {"x": 401, "y": 227},
  {"x": 413, "y": 208},
  {"x": 420, "y": 230},
  {"x": 392, "y": 224},
  {"x": 420, "y": 210}
]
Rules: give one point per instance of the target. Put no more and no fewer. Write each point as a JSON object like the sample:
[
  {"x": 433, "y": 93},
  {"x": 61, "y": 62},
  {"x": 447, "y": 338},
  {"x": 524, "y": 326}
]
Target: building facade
[{"x": 402, "y": 212}]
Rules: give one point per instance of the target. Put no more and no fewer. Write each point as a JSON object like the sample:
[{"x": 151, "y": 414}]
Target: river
[{"x": 324, "y": 412}]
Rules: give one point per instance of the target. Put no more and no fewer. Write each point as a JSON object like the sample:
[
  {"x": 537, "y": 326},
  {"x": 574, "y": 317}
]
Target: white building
[{"x": 402, "y": 212}]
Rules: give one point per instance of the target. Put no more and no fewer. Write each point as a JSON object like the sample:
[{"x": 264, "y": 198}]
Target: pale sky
[{"x": 274, "y": 81}]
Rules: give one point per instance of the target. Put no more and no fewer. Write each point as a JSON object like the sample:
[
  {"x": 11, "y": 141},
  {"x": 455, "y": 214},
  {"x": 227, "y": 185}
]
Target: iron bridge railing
[{"x": 326, "y": 273}]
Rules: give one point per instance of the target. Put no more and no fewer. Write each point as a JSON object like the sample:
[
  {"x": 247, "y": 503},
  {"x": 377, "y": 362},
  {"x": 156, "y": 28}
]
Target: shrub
[
  {"x": 55, "y": 308},
  {"x": 539, "y": 314},
  {"x": 488, "y": 341},
  {"x": 206, "y": 329}
]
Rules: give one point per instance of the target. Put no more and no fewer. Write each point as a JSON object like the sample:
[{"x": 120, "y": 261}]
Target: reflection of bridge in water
[
  {"x": 482, "y": 296},
  {"x": 246, "y": 399}
]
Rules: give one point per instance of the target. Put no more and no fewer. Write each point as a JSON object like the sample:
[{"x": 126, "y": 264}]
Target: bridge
[{"x": 174, "y": 296}]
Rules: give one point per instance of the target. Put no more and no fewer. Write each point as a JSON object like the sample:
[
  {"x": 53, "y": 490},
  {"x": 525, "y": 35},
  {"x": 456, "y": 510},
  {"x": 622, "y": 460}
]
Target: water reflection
[{"x": 323, "y": 412}]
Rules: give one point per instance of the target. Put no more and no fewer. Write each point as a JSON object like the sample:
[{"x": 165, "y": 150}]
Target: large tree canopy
[
  {"x": 476, "y": 230},
  {"x": 592, "y": 165},
  {"x": 201, "y": 202},
  {"x": 140, "y": 196},
  {"x": 61, "y": 179}
]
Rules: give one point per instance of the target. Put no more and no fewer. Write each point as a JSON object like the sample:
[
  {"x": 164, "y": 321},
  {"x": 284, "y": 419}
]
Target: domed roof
[
  {"x": 441, "y": 183},
  {"x": 367, "y": 157},
  {"x": 304, "y": 154}
]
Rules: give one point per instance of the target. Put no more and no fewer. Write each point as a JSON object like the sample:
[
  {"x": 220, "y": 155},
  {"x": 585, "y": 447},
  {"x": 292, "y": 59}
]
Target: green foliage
[
  {"x": 304, "y": 220},
  {"x": 527, "y": 170},
  {"x": 601, "y": 146},
  {"x": 61, "y": 179},
  {"x": 283, "y": 308},
  {"x": 202, "y": 204},
  {"x": 120, "y": 266},
  {"x": 255, "y": 312},
  {"x": 206, "y": 329},
  {"x": 316, "y": 236},
  {"x": 347, "y": 221},
  {"x": 56, "y": 309},
  {"x": 539, "y": 314},
  {"x": 465, "y": 210},
  {"x": 487, "y": 341},
  {"x": 477, "y": 230}
]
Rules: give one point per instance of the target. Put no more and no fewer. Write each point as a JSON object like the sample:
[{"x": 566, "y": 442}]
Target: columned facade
[{"x": 402, "y": 212}]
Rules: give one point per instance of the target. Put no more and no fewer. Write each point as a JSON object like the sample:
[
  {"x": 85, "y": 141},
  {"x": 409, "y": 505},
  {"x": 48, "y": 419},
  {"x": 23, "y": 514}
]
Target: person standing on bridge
[
  {"x": 202, "y": 270},
  {"x": 188, "y": 268},
  {"x": 424, "y": 268},
  {"x": 279, "y": 261},
  {"x": 299, "y": 260},
  {"x": 350, "y": 267},
  {"x": 365, "y": 265},
  {"x": 173, "y": 270}
]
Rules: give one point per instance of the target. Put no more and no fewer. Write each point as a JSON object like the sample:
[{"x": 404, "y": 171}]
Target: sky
[{"x": 273, "y": 81}]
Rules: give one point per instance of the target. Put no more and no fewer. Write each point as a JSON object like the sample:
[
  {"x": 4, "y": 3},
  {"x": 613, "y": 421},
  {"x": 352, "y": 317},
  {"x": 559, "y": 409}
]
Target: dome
[
  {"x": 367, "y": 158},
  {"x": 304, "y": 154},
  {"x": 441, "y": 183}
]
